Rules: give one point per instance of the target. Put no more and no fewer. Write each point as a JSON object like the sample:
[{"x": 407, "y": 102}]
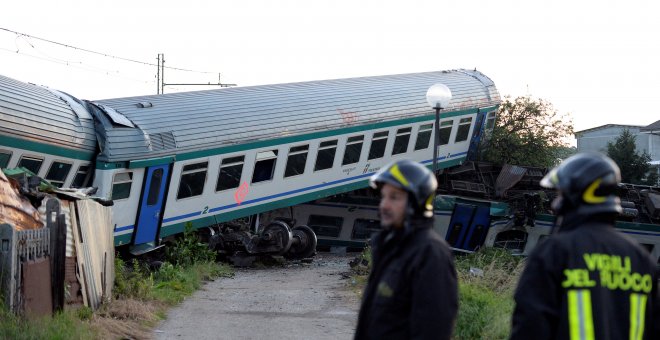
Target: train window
[
  {"x": 31, "y": 163},
  {"x": 295, "y": 164},
  {"x": 265, "y": 166},
  {"x": 513, "y": 240},
  {"x": 401, "y": 141},
  {"x": 325, "y": 158},
  {"x": 5, "y": 156},
  {"x": 364, "y": 228},
  {"x": 423, "y": 137},
  {"x": 477, "y": 236},
  {"x": 353, "y": 150},
  {"x": 81, "y": 177},
  {"x": 121, "y": 185},
  {"x": 490, "y": 120},
  {"x": 445, "y": 132},
  {"x": 230, "y": 173},
  {"x": 463, "y": 129},
  {"x": 57, "y": 173},
  {"x": 378, "y": 143},
  {"x": 452, "y": 238},
  {"x": 154, "y": 187},
  {"x": 329, "y": 226},
  {"x": 193, "y": 177}
]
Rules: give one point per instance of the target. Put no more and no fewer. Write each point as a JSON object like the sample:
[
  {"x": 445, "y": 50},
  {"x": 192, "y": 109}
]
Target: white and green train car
[
  {"x": 47, "y": 132},
  {"x": 208, "y": 157}
]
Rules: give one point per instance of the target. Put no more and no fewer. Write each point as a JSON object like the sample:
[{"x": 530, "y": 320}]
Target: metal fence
[{"x": 16, "y": 249}]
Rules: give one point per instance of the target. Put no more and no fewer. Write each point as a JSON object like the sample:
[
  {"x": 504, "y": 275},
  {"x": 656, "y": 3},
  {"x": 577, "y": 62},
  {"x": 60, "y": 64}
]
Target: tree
[
  {"x": 527, "y": 132},
  {"x": 634, "y": 166}
]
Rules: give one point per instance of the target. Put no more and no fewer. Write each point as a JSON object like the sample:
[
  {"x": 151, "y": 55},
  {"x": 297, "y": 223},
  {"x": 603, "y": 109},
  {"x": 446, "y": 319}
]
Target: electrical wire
[{"x": 19, "y": 34}]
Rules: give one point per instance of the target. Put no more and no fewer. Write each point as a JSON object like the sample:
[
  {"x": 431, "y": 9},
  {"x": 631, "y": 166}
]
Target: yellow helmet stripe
[
  {"x": 394, "y": 170},
  {"x": 589, "y": 194}
]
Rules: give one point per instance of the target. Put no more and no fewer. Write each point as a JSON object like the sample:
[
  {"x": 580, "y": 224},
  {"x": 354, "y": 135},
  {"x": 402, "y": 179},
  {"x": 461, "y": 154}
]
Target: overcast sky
[{"x": 597, "y": 60}]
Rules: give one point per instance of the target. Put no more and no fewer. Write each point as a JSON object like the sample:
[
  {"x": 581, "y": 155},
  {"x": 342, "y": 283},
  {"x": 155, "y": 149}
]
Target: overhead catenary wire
[{"x": 101, "y": 53}]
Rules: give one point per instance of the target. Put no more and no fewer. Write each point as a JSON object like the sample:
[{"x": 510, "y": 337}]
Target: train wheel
[
  {"x": 278, "y": 233},
  {"x": 304, "y": 243}
]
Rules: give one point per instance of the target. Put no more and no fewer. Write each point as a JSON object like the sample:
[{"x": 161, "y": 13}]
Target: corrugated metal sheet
[
  {"x": 15, "y": 209},
  {"x": 36, "y": 113},
  {"x": 508, "y": 177},
  {"x": 209, "y": 119}
]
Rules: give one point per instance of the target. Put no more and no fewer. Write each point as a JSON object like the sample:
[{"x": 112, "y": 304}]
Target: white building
[{"x": 596, "y": 139}]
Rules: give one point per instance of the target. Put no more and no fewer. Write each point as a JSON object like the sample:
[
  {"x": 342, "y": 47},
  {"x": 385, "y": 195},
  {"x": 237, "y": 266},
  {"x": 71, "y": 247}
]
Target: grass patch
[
  {"x": 486, "y": 280},
  {"x": 65, "y": 325}
]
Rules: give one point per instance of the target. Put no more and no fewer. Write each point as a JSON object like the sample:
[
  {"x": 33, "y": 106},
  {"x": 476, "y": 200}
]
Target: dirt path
[{"x": 299, "y": 301}]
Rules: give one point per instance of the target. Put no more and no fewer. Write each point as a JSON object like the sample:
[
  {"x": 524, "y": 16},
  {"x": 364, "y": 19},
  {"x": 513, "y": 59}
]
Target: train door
[
  {"x": 468, "y": 226},
  {"x": 151, "y": 204}
]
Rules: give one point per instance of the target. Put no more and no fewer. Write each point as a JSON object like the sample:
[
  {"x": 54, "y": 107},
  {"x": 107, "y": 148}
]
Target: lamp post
[{"x": 438, "y": 97}]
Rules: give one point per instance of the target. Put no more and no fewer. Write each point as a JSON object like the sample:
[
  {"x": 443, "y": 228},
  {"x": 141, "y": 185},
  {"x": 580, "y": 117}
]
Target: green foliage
[
  {"x": 527, "y": 132},
  {"x": 174, "y": 283},
  {"x": 65, "y": 325},
  {"x": 133, "y": 281},
  {"x": 487, "y": 280},
  {"x": 634, "y": 166},
  {"x": 188, "y": 250}
]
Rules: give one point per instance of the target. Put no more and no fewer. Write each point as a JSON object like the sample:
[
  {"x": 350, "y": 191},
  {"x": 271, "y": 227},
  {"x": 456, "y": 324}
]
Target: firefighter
[
  {"x": 587, "y": 281},
  {"x": 411, "y": 291}
]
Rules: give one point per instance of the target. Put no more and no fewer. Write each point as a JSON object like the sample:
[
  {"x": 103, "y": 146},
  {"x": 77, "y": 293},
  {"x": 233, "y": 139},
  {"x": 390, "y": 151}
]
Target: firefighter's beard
[{"x": 389, "y": 220}]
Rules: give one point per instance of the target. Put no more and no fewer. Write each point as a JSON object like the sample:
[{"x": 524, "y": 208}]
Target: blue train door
[
  {"x": 468, "y": 226},
  {"x": 151, "y": 205}
]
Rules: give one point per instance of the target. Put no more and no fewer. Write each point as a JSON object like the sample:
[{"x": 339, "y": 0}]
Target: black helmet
[
  {"x": 587, "y": 183},
  {"x": 412, "y": 177}
]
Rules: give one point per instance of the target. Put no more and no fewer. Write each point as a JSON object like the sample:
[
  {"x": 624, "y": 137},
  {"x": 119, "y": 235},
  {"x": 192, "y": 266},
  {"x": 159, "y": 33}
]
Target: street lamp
[{"x": 438, "y": 97}]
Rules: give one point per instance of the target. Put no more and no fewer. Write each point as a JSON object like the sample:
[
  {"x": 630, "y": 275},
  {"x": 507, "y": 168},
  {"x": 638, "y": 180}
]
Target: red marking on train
[
  {"x": 241, "y": 193},
  {"x": 348, "y": 116}
]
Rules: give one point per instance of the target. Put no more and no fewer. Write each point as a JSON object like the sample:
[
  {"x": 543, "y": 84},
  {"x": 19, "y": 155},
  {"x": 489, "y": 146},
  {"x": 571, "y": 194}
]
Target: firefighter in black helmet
[
  {"x": 587, "y": 280},
  {"x": 411, "y": 292}
]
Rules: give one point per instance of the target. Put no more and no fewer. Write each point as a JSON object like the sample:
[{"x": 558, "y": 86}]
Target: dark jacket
[
  {"x": 411, "y": 292},
  {"x": 589, "y": 281}
]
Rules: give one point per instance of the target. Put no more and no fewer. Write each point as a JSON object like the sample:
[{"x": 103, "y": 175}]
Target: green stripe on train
[
  {"x": 50, "y": 149},
  {"x": 209, "y": 220},
  {"x": 293, "y": 139}
]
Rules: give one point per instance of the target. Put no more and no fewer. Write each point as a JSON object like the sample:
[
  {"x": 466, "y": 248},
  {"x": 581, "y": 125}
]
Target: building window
[
  {"x": 353, "y": 150},
  {"x": 490, "y": 120},
  {"x": 230, "y": 173},
  {"x": 325, "y": 158},
  {"x": 364, "y": 228},
  {"x": 154, "y": 187},
  {"x": 463, "y": 129},
  {"x": 121, "y": 185},
  {"x": 264, "y": 168},
  {"x": 423, "y": 137},
  {"x": 401, "y": 141},
  {"x": 295, "y": 164},
  {"x": 193, "y": 177},
  {"x": 378, "y": 143},
  {"x": 31, "y": 163},
  {"x": 5, "y": 156},
  {"x": 57, "y": 173},
  {"x": 445, "y": 132},
  {"x": 329, "y": 226}
]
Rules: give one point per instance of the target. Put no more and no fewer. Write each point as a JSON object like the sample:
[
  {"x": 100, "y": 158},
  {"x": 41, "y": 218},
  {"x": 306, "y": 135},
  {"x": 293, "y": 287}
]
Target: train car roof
[
  {"x": 177, "y": 124},
  {"x": 46, "y": 119}
]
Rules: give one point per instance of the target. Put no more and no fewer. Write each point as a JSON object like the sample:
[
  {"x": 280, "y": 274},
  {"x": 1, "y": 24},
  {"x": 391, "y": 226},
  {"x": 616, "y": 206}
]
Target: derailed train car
[{"x": 208, "y": 158}]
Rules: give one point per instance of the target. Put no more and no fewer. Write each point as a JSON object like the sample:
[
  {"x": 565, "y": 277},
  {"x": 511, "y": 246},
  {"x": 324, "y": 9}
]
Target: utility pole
[{"x": 160, "y": 75}]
